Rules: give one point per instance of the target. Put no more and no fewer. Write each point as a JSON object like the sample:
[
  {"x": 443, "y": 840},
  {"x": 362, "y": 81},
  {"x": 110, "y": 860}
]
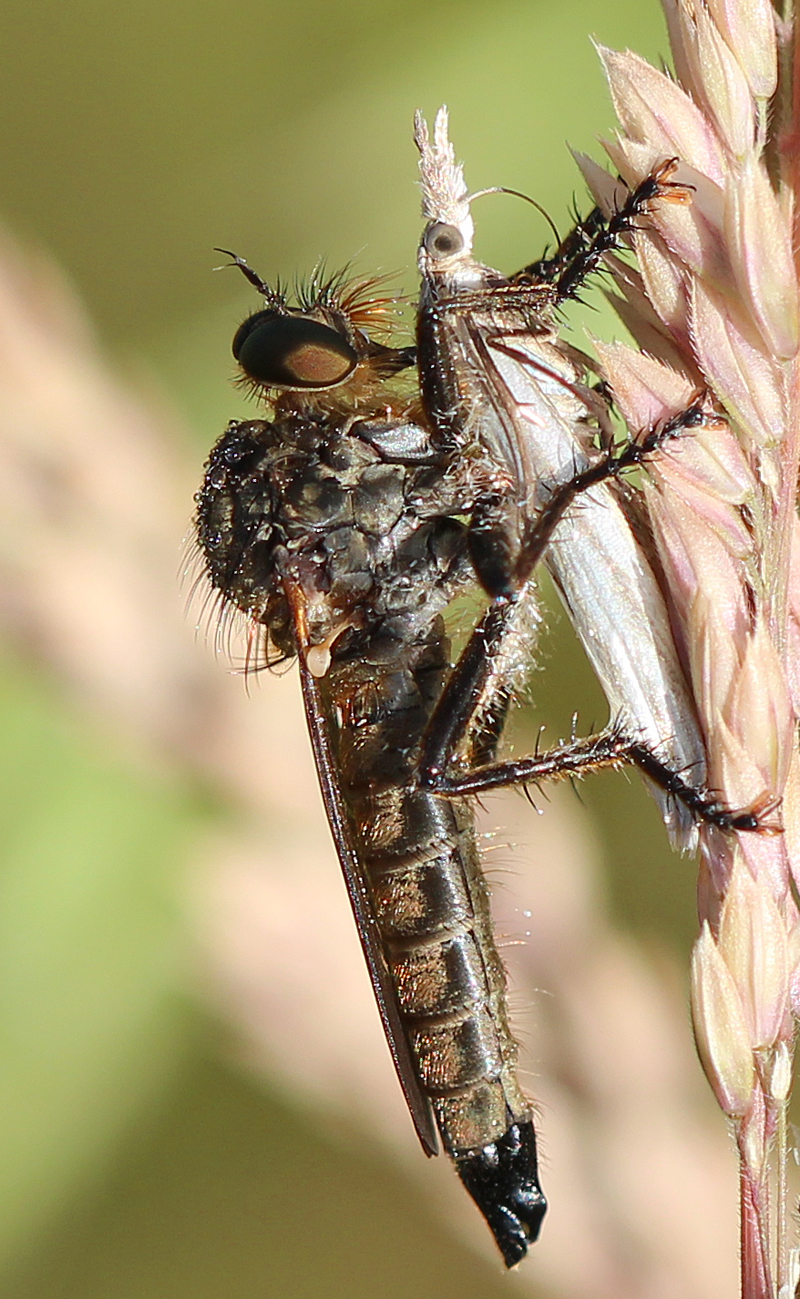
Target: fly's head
[
  {"x": 445, "y": 253},
  {"x": 319, "y": 354}
]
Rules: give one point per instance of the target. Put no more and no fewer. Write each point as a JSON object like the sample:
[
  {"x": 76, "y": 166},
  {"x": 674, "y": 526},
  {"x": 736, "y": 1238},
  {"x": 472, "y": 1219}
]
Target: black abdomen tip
[{"x": 503, "y": 1180}]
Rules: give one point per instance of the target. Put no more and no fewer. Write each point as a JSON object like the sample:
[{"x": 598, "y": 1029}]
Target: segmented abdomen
[{"x": 429, "y": 894}]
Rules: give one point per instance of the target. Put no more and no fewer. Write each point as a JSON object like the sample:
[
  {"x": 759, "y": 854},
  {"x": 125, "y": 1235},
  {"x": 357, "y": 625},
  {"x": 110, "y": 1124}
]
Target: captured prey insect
[
  {"x": 337, "y": 526},
  {"x": 499, "y": 385}
]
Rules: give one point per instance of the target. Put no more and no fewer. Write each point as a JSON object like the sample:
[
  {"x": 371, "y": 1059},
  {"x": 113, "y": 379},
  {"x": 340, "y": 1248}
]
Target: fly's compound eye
[
  {"x": 442, "y": 240},
  {"x": 292, "y": 352}
]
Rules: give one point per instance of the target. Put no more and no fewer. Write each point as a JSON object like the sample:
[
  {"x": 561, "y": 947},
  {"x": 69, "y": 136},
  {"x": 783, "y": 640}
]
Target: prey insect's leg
[
  {"x": 468, "y": 698},
  {"x": 585, "y": 247},
  {"x": 633, "y": 454}
]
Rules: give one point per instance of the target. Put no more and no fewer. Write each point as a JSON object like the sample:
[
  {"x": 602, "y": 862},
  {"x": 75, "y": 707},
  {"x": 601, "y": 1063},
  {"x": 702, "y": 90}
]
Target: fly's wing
[
  {"x": 596, "y": 558},
  {"x": 534, "y": 403},
  {"x": 319, "y": 729}
]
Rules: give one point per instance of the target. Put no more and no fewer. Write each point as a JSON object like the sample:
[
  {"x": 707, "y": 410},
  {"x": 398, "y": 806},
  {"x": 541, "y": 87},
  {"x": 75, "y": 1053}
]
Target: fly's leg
[
  {"x": 466, "y": 690},
  {"x": 584, "y": 248},
  {"x": 468, "y": 718},
  {"x": 468, "y": 699},
  {"x": 610, "y": 748},
  {"x": 579, "y": 254}
]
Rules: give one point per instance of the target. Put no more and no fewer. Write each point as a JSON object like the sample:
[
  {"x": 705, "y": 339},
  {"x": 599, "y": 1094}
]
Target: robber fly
[
  {"x": 343, "y": 526},
  {"x": 336, "y": 525},
  {"x": 501, "y": 388}
]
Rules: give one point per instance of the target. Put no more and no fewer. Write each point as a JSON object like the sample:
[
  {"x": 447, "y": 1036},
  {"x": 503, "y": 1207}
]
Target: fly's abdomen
[
  {"x": 432, "y": 911},
  {"x": 432, "y": 908}
]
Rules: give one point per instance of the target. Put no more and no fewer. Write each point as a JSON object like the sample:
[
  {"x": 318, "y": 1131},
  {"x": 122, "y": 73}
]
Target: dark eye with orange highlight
[{"x": 285, "y": 351}]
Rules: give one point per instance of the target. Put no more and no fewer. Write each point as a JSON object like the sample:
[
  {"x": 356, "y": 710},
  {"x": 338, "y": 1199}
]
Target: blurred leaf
[
  {"x": 88, "y": 949},
  {"x": 229, "y": 1194},
  {"x": 149, "y": 134}
]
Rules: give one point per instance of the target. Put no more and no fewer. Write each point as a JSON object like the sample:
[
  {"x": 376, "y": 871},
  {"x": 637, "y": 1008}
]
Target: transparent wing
[{"x": 319, "y": 729}]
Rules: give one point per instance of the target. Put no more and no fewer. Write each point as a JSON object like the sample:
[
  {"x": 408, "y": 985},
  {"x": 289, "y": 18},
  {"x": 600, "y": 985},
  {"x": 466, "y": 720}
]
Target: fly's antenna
[{"x": 273, "y": 297}]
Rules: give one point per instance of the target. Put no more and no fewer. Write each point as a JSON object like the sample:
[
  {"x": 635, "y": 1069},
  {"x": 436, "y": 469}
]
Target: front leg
[
  {"x": 548, "y": 270},
  {"x": 584, "y": 248}
]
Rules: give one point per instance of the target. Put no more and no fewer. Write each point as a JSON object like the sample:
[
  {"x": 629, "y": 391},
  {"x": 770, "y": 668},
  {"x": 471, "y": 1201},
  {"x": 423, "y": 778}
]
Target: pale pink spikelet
[
  {"x": 658, "y": 115},
  {"x": 714, "y": 305},
  {"x": 760, "y": 243},
  {"x": 665, "y": 285},
  {"x": 748, "y": 382},
  {"x": 721, "y": 1028},
  {"x": 749, "y": 31}
]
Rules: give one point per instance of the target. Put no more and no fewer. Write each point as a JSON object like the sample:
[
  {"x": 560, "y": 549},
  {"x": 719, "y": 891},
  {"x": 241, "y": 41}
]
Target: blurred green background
[{"x": 135, "y": 138}]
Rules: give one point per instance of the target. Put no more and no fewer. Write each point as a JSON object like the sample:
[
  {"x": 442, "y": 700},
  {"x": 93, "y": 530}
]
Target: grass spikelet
[{"x": 714, "y": 303}]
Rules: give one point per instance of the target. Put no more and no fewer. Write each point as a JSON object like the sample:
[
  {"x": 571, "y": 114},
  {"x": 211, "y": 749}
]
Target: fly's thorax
[{"x": 357, "y": 515}]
